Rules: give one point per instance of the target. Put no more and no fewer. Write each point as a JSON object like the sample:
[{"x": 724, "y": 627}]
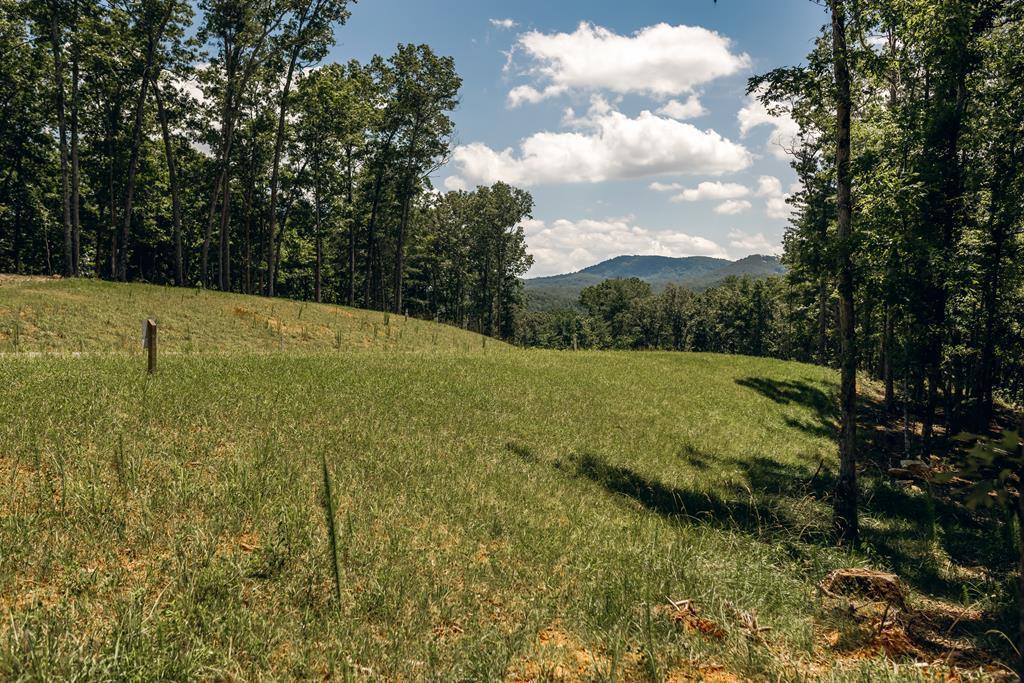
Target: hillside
[
  {"x": 44, "y": 315},
  {"x": 697, "y": 272},
  {"x": 525, "y": 515}
]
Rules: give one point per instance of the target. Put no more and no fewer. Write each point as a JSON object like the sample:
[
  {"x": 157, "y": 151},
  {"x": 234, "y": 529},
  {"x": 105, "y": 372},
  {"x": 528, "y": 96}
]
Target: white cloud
[
  {"x": 753, "y": 244},
  {"x": 503, "y": 23},
  {"x": 565, "y": 246},
  {"x": 784, "y": 129},
  {"x": 659, "y": 60},
  {"x": 605, "y": 145},
  {"x": 455, "y": 183},
  {"x": 775, "y": 206},
  {"x": 769, "y": 186},
  {"x": 690, "y": 109},
  {"x": 713, "y": 191},
  {"x": 527, "y": 93},
  {"x": 732, "y": 207},
  {"x": 665, "y": 187}
]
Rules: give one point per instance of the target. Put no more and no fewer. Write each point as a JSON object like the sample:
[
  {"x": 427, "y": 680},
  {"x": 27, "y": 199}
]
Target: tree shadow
[
  {"x": 657, "y": 497},
  {"x": 800, "y": 393}
]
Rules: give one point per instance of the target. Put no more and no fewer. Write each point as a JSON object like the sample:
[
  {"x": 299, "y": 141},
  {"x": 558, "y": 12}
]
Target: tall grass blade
[{"x": 332, "y": 536}]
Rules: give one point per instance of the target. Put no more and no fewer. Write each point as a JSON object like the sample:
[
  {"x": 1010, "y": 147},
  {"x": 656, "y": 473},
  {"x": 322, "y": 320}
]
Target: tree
[{"x": 845, "y": 502}]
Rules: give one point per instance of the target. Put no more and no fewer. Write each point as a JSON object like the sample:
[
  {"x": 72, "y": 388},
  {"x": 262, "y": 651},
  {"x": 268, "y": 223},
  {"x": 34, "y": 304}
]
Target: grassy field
[
  {"x": 42, "y": 315},
  {"x": 520, "y": 515}
]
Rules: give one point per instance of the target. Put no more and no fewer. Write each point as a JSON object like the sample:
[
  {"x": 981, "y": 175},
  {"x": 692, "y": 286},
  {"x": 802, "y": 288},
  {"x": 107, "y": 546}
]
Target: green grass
[
  {"x": 522, "y": 514},
  {"x": 40, "y": 315}
]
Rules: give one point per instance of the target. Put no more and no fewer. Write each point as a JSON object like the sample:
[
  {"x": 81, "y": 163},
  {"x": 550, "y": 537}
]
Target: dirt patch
[
  {"x": 561, "y": 657},
  {"x": 710, "y": 673},
  {"x": 933, "y": 637},
  {"x": 685, "y": 615}
]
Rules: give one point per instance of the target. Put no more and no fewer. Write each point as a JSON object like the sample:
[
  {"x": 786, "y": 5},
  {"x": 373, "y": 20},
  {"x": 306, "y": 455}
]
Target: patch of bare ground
[
  {"x": 869, "y": 614},
  {"x": 559, "y": 656},
  {"x": 686, "y": 616}
]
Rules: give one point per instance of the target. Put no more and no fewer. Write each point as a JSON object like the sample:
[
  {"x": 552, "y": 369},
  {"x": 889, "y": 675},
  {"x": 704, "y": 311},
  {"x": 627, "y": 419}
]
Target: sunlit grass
[{"x": 523, "y": 514}]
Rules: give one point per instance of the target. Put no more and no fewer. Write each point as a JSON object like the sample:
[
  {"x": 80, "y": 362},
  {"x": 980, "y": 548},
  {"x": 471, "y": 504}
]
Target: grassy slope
[
  {"x": 43, "y": 315},
  {"x": 499, "y": 514}
]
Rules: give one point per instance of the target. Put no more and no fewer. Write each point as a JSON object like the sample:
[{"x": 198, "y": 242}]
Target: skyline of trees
[{"x": 160, "y": 141}]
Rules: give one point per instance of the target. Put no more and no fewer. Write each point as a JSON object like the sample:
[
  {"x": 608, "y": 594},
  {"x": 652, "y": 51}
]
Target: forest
[{"x": 210, "y": 145}]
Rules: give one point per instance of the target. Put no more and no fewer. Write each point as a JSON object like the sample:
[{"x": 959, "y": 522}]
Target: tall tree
[{"x": 845, "y": 503}]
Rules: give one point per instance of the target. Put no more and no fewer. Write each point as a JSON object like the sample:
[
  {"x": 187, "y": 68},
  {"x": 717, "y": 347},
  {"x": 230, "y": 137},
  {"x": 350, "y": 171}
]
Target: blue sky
[{"x": 627, "y": 121}]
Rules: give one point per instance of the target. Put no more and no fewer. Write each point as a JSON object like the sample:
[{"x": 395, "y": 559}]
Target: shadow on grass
[
  {"x": 655, "y": 496},
  {"x": 913, "y": 532},
  {"x": 927, "y": 538},
  {"x": 788, "y": 505}
]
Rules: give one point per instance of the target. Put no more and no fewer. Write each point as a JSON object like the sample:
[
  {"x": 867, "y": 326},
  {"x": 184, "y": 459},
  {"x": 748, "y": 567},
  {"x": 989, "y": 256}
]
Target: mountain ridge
[{"x": 695, "y": 272}]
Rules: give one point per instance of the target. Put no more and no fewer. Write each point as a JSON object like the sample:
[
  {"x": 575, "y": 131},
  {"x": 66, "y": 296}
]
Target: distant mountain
[{"x": 696, "y": 272}]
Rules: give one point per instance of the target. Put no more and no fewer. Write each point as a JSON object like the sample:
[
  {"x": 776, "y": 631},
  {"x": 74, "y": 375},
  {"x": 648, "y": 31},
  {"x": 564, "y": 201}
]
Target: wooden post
[{"x": 149, "y": 342}]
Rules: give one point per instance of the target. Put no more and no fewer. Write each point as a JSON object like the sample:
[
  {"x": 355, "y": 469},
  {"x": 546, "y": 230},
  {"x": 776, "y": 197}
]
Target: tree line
[
  {"x": 208, "y": 144},
  {"x": 739, "y": 315}
]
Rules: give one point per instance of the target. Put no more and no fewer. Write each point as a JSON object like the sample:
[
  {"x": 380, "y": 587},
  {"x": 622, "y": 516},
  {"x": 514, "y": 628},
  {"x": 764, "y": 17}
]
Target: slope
[{"x": 47, "y": 315}]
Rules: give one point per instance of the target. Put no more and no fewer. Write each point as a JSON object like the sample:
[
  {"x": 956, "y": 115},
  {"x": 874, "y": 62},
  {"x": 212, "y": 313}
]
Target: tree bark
[
  {"x": 887, "y": 368},
  {"x": 58, "y": 81},
  {"x": 153, "y": 40},
  {"x": 318, "y": 240},
  {"x": 350, "y": 210},
  {"x": 822, "y": 320},
  {"x": 275, "y": 173},
  {"x": 844, "y": 511},
  {"x": 76, "y": 222},
  {"x": 172, "y": 176}
]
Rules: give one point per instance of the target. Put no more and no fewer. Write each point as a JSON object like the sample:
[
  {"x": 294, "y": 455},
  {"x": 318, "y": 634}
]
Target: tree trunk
[
  {"x": 172, "y": 176},
  {"x": 822, "y": 321},
  {"x": 224, "y": 253},
  {"x": 350, "y": 210},
  {"x": 58, "y": 81},
  {"x": 887, "y": 370},
  {"x": 136, "y": 145},
  {"x": 275, "y": 173},
  {"x": 318, "y": 240},
  {"x": 76, "y": 222},
  {"x": 845, "y": 503},
  {"x": 400, "y": 249},
  {"x": 371, "y": 237},
  {"x": 1020, "y": 557}
]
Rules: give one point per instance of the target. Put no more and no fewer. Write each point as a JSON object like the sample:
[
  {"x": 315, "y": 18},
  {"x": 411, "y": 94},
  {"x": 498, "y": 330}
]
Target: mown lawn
[{"x": 515, "y": 514}]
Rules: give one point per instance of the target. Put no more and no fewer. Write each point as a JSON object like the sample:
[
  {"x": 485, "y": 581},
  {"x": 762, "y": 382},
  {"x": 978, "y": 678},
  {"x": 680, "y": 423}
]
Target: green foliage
[
  {"x": 739, "y": 315},
  {"x": 994, "y": 466}
]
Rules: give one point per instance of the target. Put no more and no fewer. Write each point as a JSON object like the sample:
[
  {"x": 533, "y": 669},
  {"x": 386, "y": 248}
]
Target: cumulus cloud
[
  {"x": 757, "y": 243},
  {"x": 503, "y": 23},
  {"x": 770, "y": 189},
  {"x": 713, "y": 191},
  {"x": 784, "y": 129},
  {"x": 565, "y": 246},
  {"x": 690, "y": 109},
  {"x": 604, "y": 145},
  {"x": 527, "y": 93},
  {"x": 732, "y": 207},
  {"x": 660, "y": 60}
]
